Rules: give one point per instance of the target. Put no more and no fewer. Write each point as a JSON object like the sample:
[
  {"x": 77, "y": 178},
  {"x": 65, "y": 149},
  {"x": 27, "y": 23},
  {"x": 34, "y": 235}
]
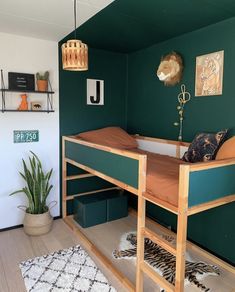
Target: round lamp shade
[{"x": 75, "y": 56}]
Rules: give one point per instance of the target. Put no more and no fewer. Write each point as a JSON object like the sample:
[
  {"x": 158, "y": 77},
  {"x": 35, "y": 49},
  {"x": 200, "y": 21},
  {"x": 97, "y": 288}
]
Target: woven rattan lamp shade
[{"x": 74, "y": 56}]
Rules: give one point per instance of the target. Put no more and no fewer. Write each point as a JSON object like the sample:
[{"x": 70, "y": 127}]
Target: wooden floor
[
  {"x": 15, "y": 247},
  {"x": 107, "y": 238}
]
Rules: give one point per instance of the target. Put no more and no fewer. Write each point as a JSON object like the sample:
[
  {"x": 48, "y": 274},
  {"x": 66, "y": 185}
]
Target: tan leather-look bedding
[
  {"x": 110, "y": 136},
  {"x": 162, "y": 180}
]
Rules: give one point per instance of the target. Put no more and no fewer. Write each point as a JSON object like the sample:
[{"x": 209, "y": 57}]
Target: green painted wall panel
[
  {"x": 76, "y": 116},
  {"x": 211, "y": 184},
  {"x": 116, "y": 166},
  {"x": 156, "y": 104}
]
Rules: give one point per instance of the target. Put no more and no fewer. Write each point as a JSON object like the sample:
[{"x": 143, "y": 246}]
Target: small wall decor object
[
  {"x": 209, "y": 74},
  {"x": 26, "y": 136},
  {"x": 95, "y": 92},
  {"x": 24, "y": 104},
  {"x": 42, "y": 81},
  {"x": 36, "y": 106},
  {"x": 170, "y": 69},
  {"x": 183, "y": 98},
  {"x": 21, "y": 81}
]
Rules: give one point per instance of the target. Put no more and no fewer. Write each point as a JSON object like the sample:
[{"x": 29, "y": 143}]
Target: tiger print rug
[{"x": 164, "y": 262}]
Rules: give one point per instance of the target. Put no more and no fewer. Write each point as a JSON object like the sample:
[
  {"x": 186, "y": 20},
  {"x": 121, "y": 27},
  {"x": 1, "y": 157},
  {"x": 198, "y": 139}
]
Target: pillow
[
  {"x": 110, "y": 136},
  {"x": 204, "y": 146},
  {"x": 227, "y": 150}
]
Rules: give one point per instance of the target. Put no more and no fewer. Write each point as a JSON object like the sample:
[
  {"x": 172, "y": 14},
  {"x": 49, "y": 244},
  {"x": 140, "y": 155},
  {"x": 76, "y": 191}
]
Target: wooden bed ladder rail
[
  {"x": 178, "y": 252},
  {"x": 142, "y": 266},
  {"x": 147, "y": 269},
  {"x": 159, "y": 240}
]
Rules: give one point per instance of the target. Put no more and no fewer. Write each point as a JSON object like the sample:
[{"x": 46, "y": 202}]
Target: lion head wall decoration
[{"x": 170, "y": 69}]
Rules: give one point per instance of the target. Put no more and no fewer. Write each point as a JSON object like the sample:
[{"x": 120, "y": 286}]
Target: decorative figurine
[
  {"x": 24, "y": 104},
  {"x": 183, "y": 98},
  {"x": 170, "y": 69}
]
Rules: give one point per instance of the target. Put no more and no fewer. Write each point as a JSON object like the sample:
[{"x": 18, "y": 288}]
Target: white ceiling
[{"x": 45, "y": 19}]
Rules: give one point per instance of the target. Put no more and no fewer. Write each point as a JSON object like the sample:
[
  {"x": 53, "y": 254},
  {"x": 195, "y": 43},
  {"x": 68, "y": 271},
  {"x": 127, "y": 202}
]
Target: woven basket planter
[{"x": 37, "y": 224}]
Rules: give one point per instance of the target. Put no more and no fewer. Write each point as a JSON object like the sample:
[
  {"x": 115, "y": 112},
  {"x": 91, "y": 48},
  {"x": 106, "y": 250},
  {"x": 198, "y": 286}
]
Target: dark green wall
[
  {"x": 152, "y": 106},
  {"x": 152, "y": 112},
  {"x": 75, "y": 115}
]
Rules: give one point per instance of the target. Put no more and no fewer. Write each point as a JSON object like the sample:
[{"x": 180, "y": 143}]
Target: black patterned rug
[{"x": 66, "y": 270}]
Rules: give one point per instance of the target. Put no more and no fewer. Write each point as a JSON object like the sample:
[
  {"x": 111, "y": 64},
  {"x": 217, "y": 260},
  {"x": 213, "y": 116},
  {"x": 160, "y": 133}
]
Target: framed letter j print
[{"x": 95, "y": 92}]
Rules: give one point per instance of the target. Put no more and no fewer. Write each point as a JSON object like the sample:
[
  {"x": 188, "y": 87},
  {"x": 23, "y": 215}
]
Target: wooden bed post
[
  {"x": 64, "y": 181},
  {"x": 182, "y": 227},
  {"x": 140, "y": 223}
]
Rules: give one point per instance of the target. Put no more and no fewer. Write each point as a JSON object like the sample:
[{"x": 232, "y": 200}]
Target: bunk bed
[{"x": 201, "y": 186}]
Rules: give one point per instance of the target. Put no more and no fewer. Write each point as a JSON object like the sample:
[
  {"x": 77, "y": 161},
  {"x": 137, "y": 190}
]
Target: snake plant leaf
[
  {"x": 16, "y": 192},
  {"x": 37, "y": 186},
  {"x": 38, "y": 160},
  {"x": 28, "y": 176},
  {"x": 31, "y": 207},
  {"x": 24, "y": 177},
  {"x": 32, "y": 167}
]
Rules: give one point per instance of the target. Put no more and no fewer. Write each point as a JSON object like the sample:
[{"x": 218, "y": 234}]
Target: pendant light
[{"x": 75, "y": 52}]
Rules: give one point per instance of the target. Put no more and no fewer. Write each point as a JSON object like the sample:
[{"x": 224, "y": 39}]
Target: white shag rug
[{"x": 67, "y": 270}]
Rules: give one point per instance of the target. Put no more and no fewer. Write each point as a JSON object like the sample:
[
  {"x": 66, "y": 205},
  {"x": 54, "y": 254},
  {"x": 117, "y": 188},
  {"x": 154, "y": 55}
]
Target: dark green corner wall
[
  {"x": 75, "y": 115},
  {"x": 152, "y": 112},
  {"x": 152, "y": 106},
  {"x": 143, "y": 105}
]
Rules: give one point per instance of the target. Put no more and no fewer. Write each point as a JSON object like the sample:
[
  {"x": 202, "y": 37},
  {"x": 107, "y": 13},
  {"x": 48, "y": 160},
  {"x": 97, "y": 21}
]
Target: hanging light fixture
[{"x": 75, "y": 52}]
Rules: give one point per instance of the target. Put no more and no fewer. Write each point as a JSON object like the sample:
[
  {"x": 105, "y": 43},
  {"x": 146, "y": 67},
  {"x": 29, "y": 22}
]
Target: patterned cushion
[{"x": 204, "y": 146}]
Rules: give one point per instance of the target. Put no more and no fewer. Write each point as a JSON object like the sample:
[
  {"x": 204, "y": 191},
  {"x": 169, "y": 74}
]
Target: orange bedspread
[{"x": 162, "y": 179}]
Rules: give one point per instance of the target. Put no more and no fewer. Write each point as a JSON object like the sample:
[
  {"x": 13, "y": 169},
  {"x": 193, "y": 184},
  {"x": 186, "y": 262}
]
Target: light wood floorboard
[
  {"x": 107, "y": 238},
  {"x": 16, "y": 246}
]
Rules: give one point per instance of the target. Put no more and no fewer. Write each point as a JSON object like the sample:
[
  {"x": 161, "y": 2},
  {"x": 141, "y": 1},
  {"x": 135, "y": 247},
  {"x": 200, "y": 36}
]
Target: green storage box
[
  {"x": 117, "y": 205},
  {"x": 90, "y": 210}
]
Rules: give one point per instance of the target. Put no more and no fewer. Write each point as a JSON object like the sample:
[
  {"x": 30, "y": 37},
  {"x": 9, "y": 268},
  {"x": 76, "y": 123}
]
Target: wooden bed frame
[{"x": 202, "y": 186}]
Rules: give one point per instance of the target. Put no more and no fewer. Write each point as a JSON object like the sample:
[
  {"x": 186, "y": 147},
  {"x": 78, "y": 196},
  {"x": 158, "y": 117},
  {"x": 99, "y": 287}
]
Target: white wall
[
  {"x": 27, "y": 55},
  {"x": 161, "y": 148}
]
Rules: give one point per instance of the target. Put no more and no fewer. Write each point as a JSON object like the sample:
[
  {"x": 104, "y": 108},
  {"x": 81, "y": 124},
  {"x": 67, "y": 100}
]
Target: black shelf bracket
[{"x": 3, "y": 93}]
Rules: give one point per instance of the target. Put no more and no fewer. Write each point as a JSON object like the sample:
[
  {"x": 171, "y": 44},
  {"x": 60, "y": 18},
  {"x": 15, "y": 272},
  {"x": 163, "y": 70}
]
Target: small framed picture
[
  {"x": 95, "y": 92},
  {"x": 209, "y": 74},
  {"x": 36, "y": 106}
]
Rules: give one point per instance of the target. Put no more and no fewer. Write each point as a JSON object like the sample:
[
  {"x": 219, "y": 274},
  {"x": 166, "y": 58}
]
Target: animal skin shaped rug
[{"x": 164, "y": 262}]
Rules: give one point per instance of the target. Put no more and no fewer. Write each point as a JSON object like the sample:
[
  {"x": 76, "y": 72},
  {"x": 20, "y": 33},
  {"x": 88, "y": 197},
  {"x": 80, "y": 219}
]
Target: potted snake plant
[{"x": 37, "y": 219}]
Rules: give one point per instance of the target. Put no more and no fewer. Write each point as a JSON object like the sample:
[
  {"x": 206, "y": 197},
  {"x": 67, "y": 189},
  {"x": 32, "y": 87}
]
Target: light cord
[{"x": 75, "y": 18}]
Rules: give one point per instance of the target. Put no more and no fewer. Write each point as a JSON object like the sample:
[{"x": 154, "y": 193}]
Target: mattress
[{"x": 162, "y": 177}]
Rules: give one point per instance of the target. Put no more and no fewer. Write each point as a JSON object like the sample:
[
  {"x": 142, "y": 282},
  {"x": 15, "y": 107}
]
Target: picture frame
[
  {"x": 95, "y": 92},
  {"x": 209, "y": 74},
  {"x": 36, "y": 106}
]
